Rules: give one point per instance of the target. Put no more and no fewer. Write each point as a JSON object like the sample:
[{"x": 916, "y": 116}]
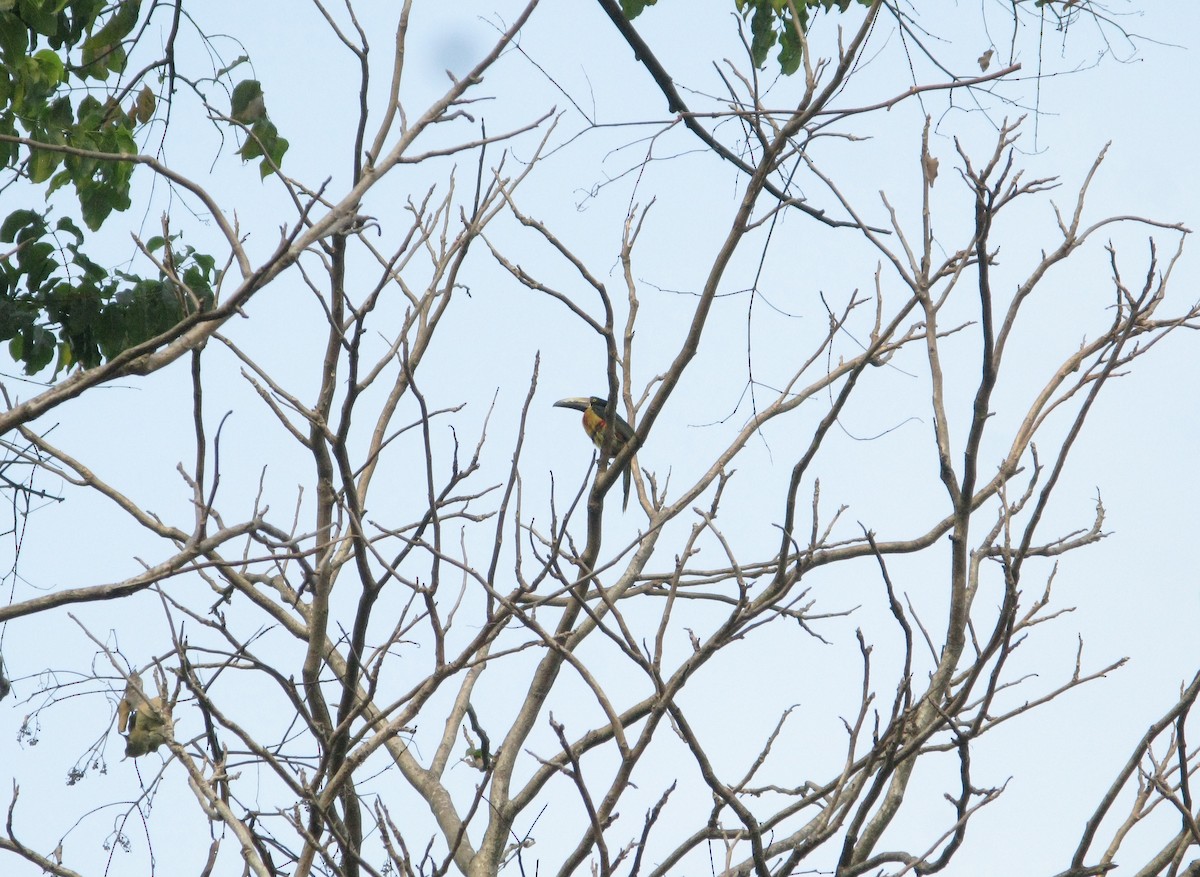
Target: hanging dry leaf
[
  {"x": 931, "y": 168},
  {"x": 146, "y": 728},
  {"x": 142, "y": 717},
  {"x": 129, "y": 702}
]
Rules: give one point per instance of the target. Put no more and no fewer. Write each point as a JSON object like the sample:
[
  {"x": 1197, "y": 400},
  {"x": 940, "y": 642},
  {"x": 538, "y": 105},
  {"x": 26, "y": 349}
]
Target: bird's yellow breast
[{"x": 593, "y": 425}]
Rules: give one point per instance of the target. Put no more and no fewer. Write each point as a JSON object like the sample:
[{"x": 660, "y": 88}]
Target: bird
[{"x": 594, "y": 424}]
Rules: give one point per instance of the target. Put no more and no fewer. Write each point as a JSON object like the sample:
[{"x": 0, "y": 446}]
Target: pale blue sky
[{"x": 1136, "y": 592}]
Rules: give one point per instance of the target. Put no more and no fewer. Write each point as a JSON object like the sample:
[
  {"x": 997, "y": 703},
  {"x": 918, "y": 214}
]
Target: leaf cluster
[
  {"x": 55, "y": 299},
  {"x": 249, "y": 107},
  {"x": 80, "y": 42},
  {"x": 57, "y": 87},
  {"x": 772, "y": 22}
]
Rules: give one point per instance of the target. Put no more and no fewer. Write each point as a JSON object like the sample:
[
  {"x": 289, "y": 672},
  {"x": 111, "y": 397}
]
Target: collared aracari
[{"x": 597, "y": 428}]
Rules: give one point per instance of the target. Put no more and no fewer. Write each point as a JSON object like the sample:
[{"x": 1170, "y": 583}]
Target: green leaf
[
  {"x": 264, "y": 140},
  {"x": 92, "y": 273},
  {"x": 42, "y": 164},
  {"x": 762, "y": 29},
  {"x": 205, "y": 262},
  {"x": 16, "y": 221},
  {"x": 790, "y": 51},
  {"x": 633, "y": 8},
  {"x": 37, "y": 349},
  {"x": 60, "y": 179},
  {"x": 248, "y": 104},
  {"x": 37, "y": 261},
  {"x": 67, "y": 225},
  {"x": 14, "y": 38},
  {"x": 251, "y": 149},
  {"x": 39, "y": 18},
  {"x": 102, "y": 51},
  {"x": 277, "y": 147},
  {"x": 96, "y": 204},
  {"x": 50, "y": 66}
]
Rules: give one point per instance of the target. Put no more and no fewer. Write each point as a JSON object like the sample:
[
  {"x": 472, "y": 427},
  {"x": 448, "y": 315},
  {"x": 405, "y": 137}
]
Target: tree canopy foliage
[
  {"x": 772, "y": 22},
  {"x": 71, "y": 113}
]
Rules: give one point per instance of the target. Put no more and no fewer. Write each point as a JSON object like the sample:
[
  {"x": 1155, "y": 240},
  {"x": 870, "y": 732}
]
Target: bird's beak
[{"x": 578, "y": 403}]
